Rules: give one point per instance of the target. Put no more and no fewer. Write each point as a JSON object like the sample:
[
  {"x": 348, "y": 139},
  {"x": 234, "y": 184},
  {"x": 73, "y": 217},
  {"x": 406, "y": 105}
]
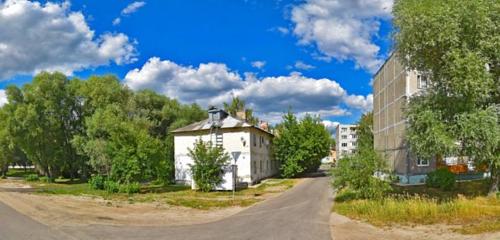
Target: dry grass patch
[{"x": 476, "y": 215}]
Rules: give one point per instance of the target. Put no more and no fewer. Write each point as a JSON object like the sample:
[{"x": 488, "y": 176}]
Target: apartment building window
[
  {"x": 254, "y": 166},
  {"x": 422, "y": 80},
  {"x": 344, "y": 151},
  {"x": 254, "y": 138},
  {"x": 344, "y": 129},
  {"x": 353, "y": 144},
  {"x": 353, "y": 136},
  {"x": 421, "y": 162},
  {"x": 344, "y": 136},
  {"x": 260, "y": 142},
  {"x": 344, "y": 144}
]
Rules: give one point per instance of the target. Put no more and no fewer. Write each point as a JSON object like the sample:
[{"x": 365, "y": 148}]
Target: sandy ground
[
  {"x": 56, "y": 210},
  {"x": 65, "y": 210},
  {"x": 343, "y": 228}
]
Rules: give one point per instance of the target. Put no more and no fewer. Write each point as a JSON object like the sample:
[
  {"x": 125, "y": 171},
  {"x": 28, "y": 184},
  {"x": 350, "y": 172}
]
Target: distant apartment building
[
  {"x": 392, "y": 87},
  {"x": 346, "y": 140}
]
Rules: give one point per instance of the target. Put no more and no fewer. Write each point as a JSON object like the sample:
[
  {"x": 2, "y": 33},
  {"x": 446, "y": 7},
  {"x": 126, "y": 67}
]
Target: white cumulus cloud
[
  {"x": 330, "y": 125},
  {"x": 303, "y": 66},
  {"x": 186, "y": 83},
  {"x": 36, "y": 37},
  {"x": 215, "y": 83},
  {"x": 342, "y": 29},
  {"x": 258, "y": 64},
  {"x": 364, "y": 103},
  {"x": 129, "y": 9},
  {"x": 133, "y": 7},
  {"x": 3, "y": 97}
]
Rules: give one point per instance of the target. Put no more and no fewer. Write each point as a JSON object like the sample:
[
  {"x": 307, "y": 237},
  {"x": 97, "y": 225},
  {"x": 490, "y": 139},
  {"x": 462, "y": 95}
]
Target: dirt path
[
  {"x": 343, "y": 228},
  {"x": 56, "y": 210}
]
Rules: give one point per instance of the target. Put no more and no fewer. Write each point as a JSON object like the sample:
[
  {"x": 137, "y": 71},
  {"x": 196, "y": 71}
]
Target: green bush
[
  {"x": 46, "y": 179},
  {"x": 130, "y": 188},
  {"x": 208, "y": 163},
  {"x": 441, "y": 178},
  {"x": 32, "y": 177},
  {"x": 111, "y": 186},
  {"x": 97, "y": 182},
  {"x": 356, "y": 173}
]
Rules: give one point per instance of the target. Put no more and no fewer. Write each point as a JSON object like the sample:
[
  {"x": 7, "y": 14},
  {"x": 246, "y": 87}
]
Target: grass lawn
[
  {"x": 467, "y": 206},
  {"x": 19, "y": 172},
  {"x": 178, "y": 195}
]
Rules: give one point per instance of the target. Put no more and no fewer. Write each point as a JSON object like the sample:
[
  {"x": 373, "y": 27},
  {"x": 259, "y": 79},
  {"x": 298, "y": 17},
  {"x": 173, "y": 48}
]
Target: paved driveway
[{"x": 300, "y": 213}]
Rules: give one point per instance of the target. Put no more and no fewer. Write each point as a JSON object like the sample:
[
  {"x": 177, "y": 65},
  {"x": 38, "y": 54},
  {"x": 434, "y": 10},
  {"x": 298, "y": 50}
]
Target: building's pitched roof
[{"x": 228, "y": 122}]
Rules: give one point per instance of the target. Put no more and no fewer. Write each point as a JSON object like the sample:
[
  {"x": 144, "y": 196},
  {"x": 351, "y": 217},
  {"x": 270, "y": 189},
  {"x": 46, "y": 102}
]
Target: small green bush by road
[
  {"x": 441, "y": 178},
  {"x": 96, "y": 182},
  {"x": 208, "y": 163},
  {"x": 355, "y": 173},
  {"x": 32, "y": 177}
]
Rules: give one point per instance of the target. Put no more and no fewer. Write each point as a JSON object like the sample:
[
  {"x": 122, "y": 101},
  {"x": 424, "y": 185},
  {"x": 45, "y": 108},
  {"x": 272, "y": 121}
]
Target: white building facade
[
  {"x": 345, "y": 140},
  {"x": 249, "y": 147}
]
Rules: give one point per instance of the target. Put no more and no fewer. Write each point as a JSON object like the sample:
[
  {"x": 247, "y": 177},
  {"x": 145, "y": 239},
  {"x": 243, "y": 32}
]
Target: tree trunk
[{"x": 495, "y": 181}]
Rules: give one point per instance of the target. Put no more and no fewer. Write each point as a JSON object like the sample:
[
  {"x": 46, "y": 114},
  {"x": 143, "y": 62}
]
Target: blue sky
[{"x": 316, "y": 55}]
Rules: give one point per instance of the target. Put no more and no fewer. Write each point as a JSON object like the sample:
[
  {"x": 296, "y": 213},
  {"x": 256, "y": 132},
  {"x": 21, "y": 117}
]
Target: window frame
[
  {"x": 421, "y": 164},
  {"x": 422, "y": 78}
]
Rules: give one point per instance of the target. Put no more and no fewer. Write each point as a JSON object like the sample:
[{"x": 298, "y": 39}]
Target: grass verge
[
  {"x": 177, "y": 195},
  {"x": 474, "y": 212}
]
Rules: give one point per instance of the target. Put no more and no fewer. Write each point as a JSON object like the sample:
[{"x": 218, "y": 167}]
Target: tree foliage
[
  {"x": 357, "y": 172},
  {"x": 76, "y": 128},
  {"x": 238, "y": 105},
  {"x": 458, "y": 44},
  {"x": 207, "y": 168},
  {"x": 300, "y": 145}
]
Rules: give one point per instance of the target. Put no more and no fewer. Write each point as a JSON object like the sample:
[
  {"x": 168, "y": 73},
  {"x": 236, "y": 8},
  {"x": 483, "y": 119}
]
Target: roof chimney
[
  {"x": 241, "y": 115},
  {"x": 264, "y": 126}
]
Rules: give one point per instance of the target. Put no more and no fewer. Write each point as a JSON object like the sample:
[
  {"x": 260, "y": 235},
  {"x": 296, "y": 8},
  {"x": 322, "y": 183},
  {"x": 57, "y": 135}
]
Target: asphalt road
[{"x": 300, "y": 213}]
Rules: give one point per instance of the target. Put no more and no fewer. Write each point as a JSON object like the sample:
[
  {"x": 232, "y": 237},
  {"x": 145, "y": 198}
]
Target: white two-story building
[{"x": 249, "y": 147}]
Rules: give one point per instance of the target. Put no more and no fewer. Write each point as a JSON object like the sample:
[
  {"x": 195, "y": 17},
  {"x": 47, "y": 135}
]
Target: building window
[
  {"x": 422, "y": 80},
  {"x": 254, "y": 166},
  {"x": 354, "y": 144},
  {"x": 353, "y": 136},
  {"x": 344, "y": 136},
  {"x": 344, "y": 151},
  {"x": 344, "y": 129},
  {"x": 421, "y": 162},
  {"x": 254, "y": 139},
  {"x": 344, "y": 144}
]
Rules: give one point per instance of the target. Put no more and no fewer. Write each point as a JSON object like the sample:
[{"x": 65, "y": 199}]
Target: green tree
[
  {"x": 458, "y": 44},
  {"x": 238, "y": 105},
  {"x": 207, "y": 168},
  {"x": 119, "y": 146},
  {"x": 300, "y": 145},
  {"x": 356, "y": 172},
  {"x": 43, "y": 122},
  {"x": 6, "y": 144}
]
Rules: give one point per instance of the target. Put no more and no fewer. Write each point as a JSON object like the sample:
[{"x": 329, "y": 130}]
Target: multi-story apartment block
[
  {"x": 346, "y": 140},
  {"x": 392, "y": 87}
]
